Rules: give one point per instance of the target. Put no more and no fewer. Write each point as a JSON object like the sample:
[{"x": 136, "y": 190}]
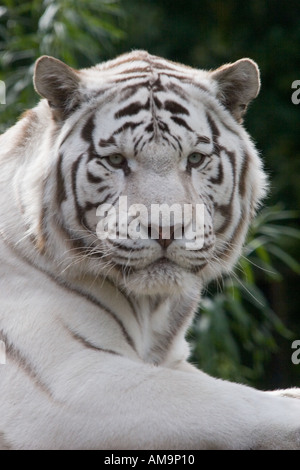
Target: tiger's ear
[
  {"x": 238, "y": 84},
  {"x": 59, "y": 84}
]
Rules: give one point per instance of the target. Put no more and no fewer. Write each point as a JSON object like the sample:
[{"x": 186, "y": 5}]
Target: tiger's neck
[
  {"x": 146, "y": 328},
  {"x": 155, "y": 325}
]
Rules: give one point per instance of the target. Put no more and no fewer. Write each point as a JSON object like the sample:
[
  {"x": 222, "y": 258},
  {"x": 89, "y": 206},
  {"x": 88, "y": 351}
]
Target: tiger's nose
[{"x": 164, "y": 235}]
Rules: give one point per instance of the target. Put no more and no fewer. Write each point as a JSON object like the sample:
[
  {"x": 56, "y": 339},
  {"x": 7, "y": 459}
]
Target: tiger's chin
[{"x": 160, "y": 277}]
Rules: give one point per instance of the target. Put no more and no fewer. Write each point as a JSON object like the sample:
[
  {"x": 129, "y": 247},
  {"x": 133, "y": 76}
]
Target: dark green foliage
[
  {"x": 236, "y": 330},
  {"x": 77, "y": 32}
]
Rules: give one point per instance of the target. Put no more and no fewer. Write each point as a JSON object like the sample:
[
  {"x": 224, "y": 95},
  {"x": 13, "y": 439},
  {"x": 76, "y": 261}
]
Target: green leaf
[
  {"x": 47, "y": 19},
  {"x": 285, "y": 257}
]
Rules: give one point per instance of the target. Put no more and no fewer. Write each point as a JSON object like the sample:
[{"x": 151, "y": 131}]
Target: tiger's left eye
[
  {"x": 195, "y": 159},
  {"x": 116, "y": 160}
]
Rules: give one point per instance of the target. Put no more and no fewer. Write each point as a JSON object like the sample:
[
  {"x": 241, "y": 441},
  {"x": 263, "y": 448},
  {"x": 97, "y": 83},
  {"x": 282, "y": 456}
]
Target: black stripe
[
  {"x": 41, "y": 237},
  {"x": 157, "y": 103},
  {"x": 177, "y": 139},
  {"x": 188, "y": 80},
  {"x": 115, "y": 200},
  {"x": 202, "y": 139},
  {"x": 226, "y": 212},
  {"x": 231, "y": 243},
  {"x": 100, "y": 162},
  {"x": 131, "y": 90},
  {"x": 71, "y": 237},
  {"x": 139, "y": 70},
  {"x": 185, "y": 79},
  {"x": 129, "y": 78},
  {"x": 132, "y": 109},
  {"x": 197, "y": 269},
  {"x": 91, "y": 205},
  {"x": 92, "y": 178},
  {"x": 149, "y": 128},
  {"x": 16, "y": 356},
  {"x": 224, "y": 209},
  {"x": 121, "y": 60},
  {"x": 136, "y": 144},
  {"x": 156, "y": 302},
  {"x": 175, "y": 108},
  {"x": 128, "y": 125},
  {"x": 157, "y": 85},
  {"x": 103, "y": 188},
  {"x": 88, "y": 129},
  {"x": 107, "y": 142},
  {"x": 167, "y": 66},
  {"x": 243, "y": 176},
  {"x": 88, "y": 344},
  {"x": 99, "y": 304},
  {"x": 79, "y": 208},
  {"x": 178, "y": 90},
  {"x": 131, "y": 305},
  {"x": 213, "y": 127},
  {"x": 163, "y": 126},
  {"x": 124, "y": 247},
  {"x": 181, "y": 309},
  {"x": 61, "y": 194},
  {"x": 218, "y": 179},
  {"x": 181, "y": 122},
  {"x": 89, "y": 297},
  {"x": 94, "y": 205}
]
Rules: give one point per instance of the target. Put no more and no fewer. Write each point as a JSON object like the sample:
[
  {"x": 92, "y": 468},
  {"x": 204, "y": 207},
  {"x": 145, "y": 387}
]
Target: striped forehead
[
  {"x": 141, "y": 64},
  {"x": 154, "y": 109}
]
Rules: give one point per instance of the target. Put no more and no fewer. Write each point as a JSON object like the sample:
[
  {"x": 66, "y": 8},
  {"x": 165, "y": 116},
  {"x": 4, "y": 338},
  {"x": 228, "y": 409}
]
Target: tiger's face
[{"x": 153, "y": 133}]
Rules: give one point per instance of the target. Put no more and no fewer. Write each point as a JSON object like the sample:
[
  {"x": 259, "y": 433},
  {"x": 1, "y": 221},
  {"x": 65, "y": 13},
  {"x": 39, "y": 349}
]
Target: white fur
[{"x": 58, "y": 391}]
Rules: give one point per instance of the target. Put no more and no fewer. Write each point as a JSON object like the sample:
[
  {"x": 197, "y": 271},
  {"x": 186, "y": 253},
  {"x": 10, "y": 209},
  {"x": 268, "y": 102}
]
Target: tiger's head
[{"x": 147, "y": 131}]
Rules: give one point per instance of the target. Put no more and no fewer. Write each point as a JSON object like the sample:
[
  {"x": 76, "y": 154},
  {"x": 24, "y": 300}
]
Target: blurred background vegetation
[{"x": 248, "y": 321}]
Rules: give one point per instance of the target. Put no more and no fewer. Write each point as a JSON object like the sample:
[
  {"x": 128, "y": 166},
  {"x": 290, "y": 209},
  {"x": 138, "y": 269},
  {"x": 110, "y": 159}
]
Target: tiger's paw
[{"x": 289, "y": 393}]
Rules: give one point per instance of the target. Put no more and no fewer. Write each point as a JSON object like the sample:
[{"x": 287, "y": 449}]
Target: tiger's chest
[{"x": 52, "y": 320}]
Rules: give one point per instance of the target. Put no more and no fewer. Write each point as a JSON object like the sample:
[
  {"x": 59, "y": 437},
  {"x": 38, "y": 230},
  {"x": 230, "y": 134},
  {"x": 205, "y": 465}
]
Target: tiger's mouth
[
  {"x": 161, "y": 262},
  {"x": 161, "y": 265},
  {"x": 164, "y": 262},
  {"x": 162, "y": 275}
]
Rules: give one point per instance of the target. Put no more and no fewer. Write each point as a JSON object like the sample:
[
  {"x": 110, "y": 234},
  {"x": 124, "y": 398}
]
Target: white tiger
[{"x": 94, "y": 330}]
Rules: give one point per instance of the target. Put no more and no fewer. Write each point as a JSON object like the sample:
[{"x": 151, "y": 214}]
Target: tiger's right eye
[{"x": 116, "y": 160}]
